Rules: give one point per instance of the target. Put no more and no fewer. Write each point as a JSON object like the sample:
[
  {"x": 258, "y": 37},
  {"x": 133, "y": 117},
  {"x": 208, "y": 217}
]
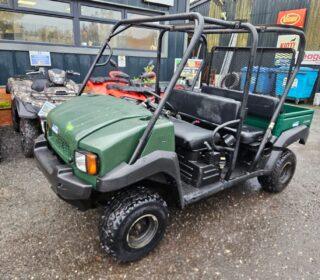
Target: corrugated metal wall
[
  {"x": 17, "y": 62},
  {"x": 313, "y": 25},
  {"x": 202, "y": 8},
  {"x": 266, "y": 12}
]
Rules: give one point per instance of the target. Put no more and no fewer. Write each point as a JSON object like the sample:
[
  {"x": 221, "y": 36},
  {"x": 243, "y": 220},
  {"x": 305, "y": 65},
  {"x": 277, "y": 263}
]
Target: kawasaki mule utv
[{"x": 193, "y": 143}]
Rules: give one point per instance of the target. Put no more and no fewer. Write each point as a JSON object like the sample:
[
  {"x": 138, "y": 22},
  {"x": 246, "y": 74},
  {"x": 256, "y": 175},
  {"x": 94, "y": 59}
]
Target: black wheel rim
[
  {"x": 286, "y": 172},
  {"x": 142, "y": 231}
]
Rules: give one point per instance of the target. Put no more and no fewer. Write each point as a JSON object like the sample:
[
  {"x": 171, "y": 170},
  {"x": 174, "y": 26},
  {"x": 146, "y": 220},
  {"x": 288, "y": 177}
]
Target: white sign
[
  {"x": 161, "y": 2},
  {"x": 45, "y": 109},
  {"x": 288, "y": 41},
  {"x": 311, "y": 58},
  {"x": 189, "y": 71},
  {"x": 121, "y": 61},
  {"x": 39, "y": 58}
]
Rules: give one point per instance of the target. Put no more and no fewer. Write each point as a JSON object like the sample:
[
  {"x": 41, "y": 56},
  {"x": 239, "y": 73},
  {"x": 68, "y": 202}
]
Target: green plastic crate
[{"x": 291, "y": 116}]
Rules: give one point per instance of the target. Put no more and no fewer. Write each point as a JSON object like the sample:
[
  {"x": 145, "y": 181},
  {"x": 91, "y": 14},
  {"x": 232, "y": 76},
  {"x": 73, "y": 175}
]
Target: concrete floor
[{"x": 241, "y": 233}]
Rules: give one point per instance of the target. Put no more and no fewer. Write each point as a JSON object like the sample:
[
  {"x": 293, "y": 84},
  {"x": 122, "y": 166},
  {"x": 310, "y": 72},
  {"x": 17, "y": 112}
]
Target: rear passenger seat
[
  {"x": 258, "y": 105},
  {"x": 211, "y": 108}
]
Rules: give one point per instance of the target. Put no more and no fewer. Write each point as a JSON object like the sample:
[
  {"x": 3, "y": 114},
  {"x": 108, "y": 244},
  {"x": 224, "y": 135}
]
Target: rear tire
[
  {"x": 30, "y": 130},
  {"x": 281, "y": 175},
  {"x": 133, "y": 224}
]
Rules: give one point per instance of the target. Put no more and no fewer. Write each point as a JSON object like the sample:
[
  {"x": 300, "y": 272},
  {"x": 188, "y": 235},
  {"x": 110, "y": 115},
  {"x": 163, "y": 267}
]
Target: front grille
[{"x": 60, "y": 146}]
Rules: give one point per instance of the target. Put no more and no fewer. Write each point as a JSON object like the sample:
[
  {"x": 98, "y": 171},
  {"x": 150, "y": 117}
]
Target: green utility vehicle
[{"x": 184, "y": 144}]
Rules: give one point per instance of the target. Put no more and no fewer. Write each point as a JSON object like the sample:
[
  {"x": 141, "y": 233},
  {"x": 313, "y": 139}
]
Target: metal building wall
[
  {"x": 202, "y": 7},
  {"x": 17, "y": 62},
  {"x": 266, "y": 12}
]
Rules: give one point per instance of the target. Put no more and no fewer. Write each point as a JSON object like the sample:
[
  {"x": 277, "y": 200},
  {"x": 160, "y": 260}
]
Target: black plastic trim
[
  {"x": 26, "y": 110},
  {"x": 60, "y": 175},
  {"x": 299, "y": 133},
  {"x": 156, "y": 162}
]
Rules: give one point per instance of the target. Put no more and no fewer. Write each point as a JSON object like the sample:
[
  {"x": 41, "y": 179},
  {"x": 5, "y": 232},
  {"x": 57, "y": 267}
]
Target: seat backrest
[
  {"x": 40, "y": 85},
  {"x": 210, "y": 108},
  {"x": 258, "y": 105}
]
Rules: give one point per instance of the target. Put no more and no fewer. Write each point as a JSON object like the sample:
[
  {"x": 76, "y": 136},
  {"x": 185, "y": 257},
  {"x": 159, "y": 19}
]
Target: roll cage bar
[{"x": 199, "y": 26}]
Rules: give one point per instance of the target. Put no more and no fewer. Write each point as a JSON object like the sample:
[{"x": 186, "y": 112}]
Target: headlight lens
[
  {"x": 86, "y": 162},
  {"x": 81, "y": 161}
]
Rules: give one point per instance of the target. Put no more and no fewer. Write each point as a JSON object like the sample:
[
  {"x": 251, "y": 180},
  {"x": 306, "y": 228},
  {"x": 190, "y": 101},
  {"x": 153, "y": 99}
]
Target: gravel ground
[{"x": 240, "y": 233}]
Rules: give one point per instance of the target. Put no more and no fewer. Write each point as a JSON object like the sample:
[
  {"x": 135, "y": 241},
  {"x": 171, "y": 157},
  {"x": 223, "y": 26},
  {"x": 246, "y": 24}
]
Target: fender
[
  {"x": 151, "y": 164},
  {"x": 299, "y": 133},
  {"x": 26, "y": 110}
]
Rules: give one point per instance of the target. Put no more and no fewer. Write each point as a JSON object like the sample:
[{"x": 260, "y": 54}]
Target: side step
[{"x": 193, "y": 194}]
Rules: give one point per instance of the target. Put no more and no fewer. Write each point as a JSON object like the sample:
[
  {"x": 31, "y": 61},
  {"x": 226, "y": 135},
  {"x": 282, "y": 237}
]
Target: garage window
[
  {"x": 140, "y": 38},
  {"x": 36, "y": 28},
  {"x": 47, "y": 5},
  {"x": 101, "y": 13},
  {"x": 73, "y": 23},
  {"x": 92, "y": 34}
]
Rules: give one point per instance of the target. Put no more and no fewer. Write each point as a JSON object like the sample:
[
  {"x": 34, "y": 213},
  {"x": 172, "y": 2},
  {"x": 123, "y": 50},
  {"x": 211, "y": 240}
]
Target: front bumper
[{"x": 63, "y": 182}]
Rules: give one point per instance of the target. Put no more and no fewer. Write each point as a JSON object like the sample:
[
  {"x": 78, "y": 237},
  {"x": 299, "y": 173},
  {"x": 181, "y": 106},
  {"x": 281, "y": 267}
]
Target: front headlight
[{"x": 86, "y": 162}]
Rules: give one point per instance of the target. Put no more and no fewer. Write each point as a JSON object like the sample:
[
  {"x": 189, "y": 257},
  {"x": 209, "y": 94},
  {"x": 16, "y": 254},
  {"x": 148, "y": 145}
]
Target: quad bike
[
  {"x": 29, "y": 93},
  {"x": 187, "y": 146},
  {"x": 119, "y": 84}
]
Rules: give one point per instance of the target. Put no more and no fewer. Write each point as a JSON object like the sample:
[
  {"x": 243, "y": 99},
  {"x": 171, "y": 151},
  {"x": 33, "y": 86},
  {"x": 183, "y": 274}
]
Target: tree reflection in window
[
  {"x": 35, "y": 28},
  {"x": 140, "y": 38},
  {"x": 93, "y": 34}
]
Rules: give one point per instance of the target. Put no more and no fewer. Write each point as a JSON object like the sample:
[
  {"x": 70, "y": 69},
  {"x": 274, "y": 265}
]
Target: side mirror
[{"x": 113, "y": 63}]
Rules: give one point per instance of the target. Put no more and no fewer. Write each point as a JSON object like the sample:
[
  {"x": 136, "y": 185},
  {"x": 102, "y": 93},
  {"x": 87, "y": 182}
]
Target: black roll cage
[{"x": 199, "y": 26}]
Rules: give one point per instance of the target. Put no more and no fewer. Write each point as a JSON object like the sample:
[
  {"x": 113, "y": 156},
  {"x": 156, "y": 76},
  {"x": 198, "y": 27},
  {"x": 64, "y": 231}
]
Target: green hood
[
  {"x": 109, "y": 127},
  {"x": 81, "y": 116}
]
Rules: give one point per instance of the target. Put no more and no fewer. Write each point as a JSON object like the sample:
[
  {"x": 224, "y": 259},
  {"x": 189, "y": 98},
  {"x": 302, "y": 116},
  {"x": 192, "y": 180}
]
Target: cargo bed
[{"x": 291, "y": 116}]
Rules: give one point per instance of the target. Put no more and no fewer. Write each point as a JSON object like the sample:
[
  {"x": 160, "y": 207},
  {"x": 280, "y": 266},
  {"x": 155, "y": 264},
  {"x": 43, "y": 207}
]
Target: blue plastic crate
[
  {"x": 302, "y": 86},
  {"x": 266, "y": 79}
]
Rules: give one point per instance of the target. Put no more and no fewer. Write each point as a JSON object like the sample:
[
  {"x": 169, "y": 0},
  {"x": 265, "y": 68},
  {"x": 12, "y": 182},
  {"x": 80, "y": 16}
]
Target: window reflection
[
  {"x": 53, "y": 6},
  {"x": 93, "y": 34},
  {"x": 35, "y": 28},
  {"x": 100, "y": 13},
  {"x": 140, "y": 38}
]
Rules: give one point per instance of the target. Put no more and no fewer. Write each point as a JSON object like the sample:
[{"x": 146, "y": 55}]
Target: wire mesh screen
[{"x": 272, "y": 67}]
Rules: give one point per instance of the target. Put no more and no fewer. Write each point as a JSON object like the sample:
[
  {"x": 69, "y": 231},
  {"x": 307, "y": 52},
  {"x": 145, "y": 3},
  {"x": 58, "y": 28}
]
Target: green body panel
[
  {"x": 82, "y": 116},
  {"x": 115, "y": 144},
  {"x": 291, "y": 116},
  {"x": 107, "y": 126}
]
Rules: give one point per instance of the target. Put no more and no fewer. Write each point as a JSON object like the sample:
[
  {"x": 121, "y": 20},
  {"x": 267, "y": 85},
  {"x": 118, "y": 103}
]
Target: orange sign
[{"x": 292, "y": 17}]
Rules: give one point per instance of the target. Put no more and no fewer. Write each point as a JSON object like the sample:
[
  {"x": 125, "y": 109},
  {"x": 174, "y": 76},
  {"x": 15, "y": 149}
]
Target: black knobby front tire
[
  {"x": 281, "y": 175},
  {"x": 127, "y": 213},
  {"x": 30, "y": 130},
  {"x": 15, "y": 117}
]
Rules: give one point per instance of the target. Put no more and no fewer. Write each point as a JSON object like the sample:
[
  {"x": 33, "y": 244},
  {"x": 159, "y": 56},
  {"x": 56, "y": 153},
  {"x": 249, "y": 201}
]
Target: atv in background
[
  {"x": 36, "y": 91},
  {"x": 119, "y": 84}
]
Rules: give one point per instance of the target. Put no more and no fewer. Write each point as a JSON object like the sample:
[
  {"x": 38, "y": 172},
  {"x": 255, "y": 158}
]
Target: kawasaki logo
[{"x": 290, "y": 18}]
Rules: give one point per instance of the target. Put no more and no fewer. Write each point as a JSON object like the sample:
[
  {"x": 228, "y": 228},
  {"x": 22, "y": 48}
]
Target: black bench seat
[
  {"x": 205, "y": 108},
  {"x": 193, "y": 137},
  {"x": 190, "y": 136}
]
